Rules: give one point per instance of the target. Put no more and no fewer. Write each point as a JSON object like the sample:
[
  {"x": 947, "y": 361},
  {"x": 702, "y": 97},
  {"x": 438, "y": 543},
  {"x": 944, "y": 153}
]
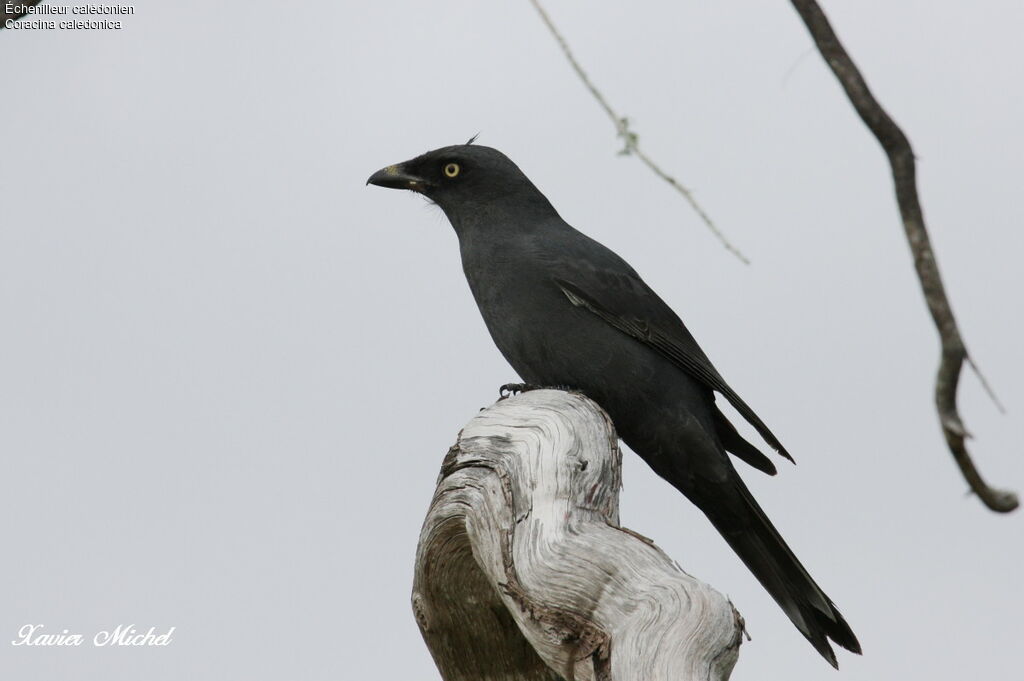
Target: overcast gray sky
[{"x": 229, "y": 371}]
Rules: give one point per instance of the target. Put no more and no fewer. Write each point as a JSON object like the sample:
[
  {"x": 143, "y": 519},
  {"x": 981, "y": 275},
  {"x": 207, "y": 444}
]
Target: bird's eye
[{"x": 451, "y": 170}]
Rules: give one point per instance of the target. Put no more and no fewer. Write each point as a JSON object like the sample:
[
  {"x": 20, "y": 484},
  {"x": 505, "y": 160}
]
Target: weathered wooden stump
[{"x": 522, "y": 570}]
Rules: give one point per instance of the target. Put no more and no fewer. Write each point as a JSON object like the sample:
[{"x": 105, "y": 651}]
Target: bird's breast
[{"x": 547, "y": 339}]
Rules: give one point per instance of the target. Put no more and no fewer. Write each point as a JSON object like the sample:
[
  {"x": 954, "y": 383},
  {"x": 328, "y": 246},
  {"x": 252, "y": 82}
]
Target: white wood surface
[{"x": 522, "y": 570}]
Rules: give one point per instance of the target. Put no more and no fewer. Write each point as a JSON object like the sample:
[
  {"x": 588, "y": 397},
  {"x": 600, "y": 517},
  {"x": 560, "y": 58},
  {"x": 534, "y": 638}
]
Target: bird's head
[{"x": 461, "y": 179}]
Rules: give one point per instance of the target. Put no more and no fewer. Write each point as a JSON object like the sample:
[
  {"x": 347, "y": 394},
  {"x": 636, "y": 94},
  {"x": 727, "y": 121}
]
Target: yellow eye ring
[{"x": 451, "y": 170}]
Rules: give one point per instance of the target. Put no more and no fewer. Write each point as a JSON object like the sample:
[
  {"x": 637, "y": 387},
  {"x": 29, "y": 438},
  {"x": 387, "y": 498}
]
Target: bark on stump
[{"x": 522, "y": 570}]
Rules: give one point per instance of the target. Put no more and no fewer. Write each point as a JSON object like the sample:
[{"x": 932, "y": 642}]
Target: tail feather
[
  {"x": 737, "y": 446},
  {"x": 751, "y": 535}
]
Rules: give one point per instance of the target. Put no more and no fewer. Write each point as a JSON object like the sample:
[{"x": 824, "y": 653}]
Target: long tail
[{"x": 752, "y": 536}]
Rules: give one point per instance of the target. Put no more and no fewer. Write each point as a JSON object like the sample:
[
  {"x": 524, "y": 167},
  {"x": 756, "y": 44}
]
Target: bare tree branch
[
  {"x": 901, "y": 158},
  {"x": 631, "y": 139}
]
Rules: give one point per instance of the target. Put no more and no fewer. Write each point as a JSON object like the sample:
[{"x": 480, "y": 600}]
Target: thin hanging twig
[
  {"x": 901, "y": 158},
  {"x": 630, "y": 138}
]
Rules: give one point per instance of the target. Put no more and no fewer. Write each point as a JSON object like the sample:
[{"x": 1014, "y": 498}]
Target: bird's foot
[{"x": 510, "y": 389}]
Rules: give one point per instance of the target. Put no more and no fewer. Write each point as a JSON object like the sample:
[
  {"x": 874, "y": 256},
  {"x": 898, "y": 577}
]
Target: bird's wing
[{"x": 624, "y": 301}]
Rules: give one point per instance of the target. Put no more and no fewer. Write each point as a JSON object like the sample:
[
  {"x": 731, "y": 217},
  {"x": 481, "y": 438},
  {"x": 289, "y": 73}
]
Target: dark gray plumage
[{"x": 566, "y": 311}]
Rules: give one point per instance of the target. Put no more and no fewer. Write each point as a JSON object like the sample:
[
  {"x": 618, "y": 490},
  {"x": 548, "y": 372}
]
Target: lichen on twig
[{"x": 631, "y": 140}]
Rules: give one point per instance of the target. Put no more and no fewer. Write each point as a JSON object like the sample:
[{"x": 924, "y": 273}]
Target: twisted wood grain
[{"x": 523, "y": 572}]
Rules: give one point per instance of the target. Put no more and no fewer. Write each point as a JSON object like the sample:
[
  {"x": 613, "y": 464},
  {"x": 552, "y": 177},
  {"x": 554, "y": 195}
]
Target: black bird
[{"x": 566, "y": 311}]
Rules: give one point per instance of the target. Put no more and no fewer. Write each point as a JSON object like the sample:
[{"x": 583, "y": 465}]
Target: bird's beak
[{"x": 396, "y": 177}]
